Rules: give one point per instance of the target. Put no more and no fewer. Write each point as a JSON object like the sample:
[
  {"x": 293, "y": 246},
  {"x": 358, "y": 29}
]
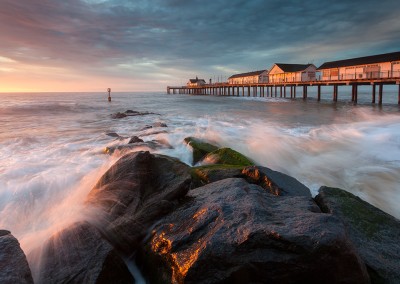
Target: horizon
[{"x": 143, "y": 46}]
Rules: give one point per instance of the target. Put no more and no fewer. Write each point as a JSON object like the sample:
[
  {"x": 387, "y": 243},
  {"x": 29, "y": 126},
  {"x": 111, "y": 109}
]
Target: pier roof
[
  {"x": 253, "y": 73},
  {"x": 292, "y": 67},
  {"x": 386, "y": 57}
]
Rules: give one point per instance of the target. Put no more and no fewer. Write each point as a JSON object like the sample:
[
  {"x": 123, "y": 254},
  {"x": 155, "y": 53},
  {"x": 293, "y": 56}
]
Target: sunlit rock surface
[
  {"x": 231, "y": 231},
  {"x": 275, "y": 182},
  {"x": 227, "y": 156},
  {"x": 375, "y": 233},
  {"x": 134, "y": 193},
  {"x": 14, "y": 267},
  {"x": 79, "y": 254}
]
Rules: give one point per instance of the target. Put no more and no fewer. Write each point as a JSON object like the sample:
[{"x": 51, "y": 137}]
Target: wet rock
[
  {"x": 374, "y": 233},
  {"x": 112, "y": 134},
  {"x": 79, "y": 254},
  {"x": 135, "y": 139},
  {"x": 206, "y": 174},
  {"x": 129, "y": 111},
  {"x": 227, "y": 156},
  {"x": 200, "y": 148},
  {"x": 146, "y": 127},
  {"x": 153, "y": 144},
  {"x": 136, "y": 191},
  {"x": 230, "y": 231},
  {"x": 159, "y": 124},
  {"x": 275, "y": 182},
  {"x": 14, "y": 267},
  {"x": 118, "y": 115}
]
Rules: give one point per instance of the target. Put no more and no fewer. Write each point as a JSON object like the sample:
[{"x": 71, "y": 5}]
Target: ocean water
[{"x": 52, "y": 146}]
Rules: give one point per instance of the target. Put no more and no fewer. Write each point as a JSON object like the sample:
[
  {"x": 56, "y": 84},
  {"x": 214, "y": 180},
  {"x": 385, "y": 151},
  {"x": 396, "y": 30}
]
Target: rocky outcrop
[
  {"x": 207, "y": 174},
  {"x": 135, "y": 139},
  {"x": 79, "y": 254},
  {"x": 373, "y": 232},
  {"x": 275, "y": 182},
  {"x": 200, "y": 148},
  {"x": 135, "y": 192},
  {"x": 227, "y": 156},
  {"x": 231, "y": 231},
  {"x": 14, "y": 267}
]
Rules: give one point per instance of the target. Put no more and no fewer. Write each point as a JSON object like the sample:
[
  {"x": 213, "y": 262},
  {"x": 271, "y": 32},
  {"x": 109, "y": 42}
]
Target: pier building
[
  {"x": 282, "y": 72},
  {"x": 260, "y": 76}
]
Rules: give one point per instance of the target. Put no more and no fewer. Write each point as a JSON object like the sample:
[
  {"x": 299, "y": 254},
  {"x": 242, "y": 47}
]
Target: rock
[
  {"x": 227, "y": 156},
  {"x": 118, "y": 115},
  {"x": 206, "y": 174},
  {"x": 374, "y": 233},
  {"x": 275, "y": 182},
  {"x": 154, "y": 144},
  {"x": 159, "y": 124},
  {"x": 112, "y": 134},
  {"x": 129, "y": 111},
  {"x": 135, "y": 139},
  {"x": 14, "y": 267},
  {"x": 200, "y": 148},
  {"x": 146, "y": 127},
  {"x": 78, "y": 254},
  {"x": 230, "y": 231},
  {"x": 137, "y": 190}
]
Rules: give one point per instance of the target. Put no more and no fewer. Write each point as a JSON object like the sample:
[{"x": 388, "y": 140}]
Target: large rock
[
  {"x": 374, "y": 233},
  {"x": 227, "y": 156},
  {"x": 200, "y": 148},
  {"x": 79, "y": 254},
  {"x": 275, "y": 182},
  {"x": 136, "y": 191},
  {"x": 14, "y": 267},
  {"x": 203, "y": 175},
  {"x": 234, "y": 232}
]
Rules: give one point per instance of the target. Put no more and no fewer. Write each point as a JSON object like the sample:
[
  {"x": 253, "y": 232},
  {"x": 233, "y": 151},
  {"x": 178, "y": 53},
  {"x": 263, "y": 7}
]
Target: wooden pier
[{"x": 286, "y": 89}]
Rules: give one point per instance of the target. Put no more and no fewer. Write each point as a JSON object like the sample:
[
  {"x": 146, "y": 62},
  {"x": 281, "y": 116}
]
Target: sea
[{"x": 52, "y": 145}]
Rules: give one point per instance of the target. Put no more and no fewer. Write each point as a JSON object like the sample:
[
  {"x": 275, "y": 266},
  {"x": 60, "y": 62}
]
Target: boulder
[
  {"x": 200, "y": 148},
  {"x": 275, "y": 182},
  {"x": 135, "y": 139},
  {"x": 206, "y": 174},
  {"x": 79, "y": 254},
  {"x": 14, "y": 267},
  {"x": 374, "y": 232},
  {"x": 159, "y": 124},
  {"x": 227, "y": 156},
  {"x": 112, "y": 134},
  {"x": 118, "y": 115},
  {"x": 231, "y": 231},
  {"x": 137, "y": 190},
  {"x": 154, "y": 144}
]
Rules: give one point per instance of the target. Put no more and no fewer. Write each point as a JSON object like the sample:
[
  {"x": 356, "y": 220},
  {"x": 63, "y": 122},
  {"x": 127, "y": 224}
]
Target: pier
[{"x": 290, "y": 89}]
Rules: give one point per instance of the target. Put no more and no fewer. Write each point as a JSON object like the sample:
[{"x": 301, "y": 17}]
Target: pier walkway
[{"x": 289, "y": 89}]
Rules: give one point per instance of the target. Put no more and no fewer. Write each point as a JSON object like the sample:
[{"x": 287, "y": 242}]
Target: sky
[{"x": 143, "y": 45}]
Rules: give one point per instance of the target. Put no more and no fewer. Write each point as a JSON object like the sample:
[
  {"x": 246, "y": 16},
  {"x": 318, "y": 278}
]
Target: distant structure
[
  {"x": 260, "y": 76},
  {"x": 109, "y": 94},
  {"x": 376, "y": 66},
  {"x": 196, "y": 82},
  {"x": 281, "y": 72}
]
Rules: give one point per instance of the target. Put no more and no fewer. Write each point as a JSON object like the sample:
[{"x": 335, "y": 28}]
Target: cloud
[{"x": 137, "y": 39}]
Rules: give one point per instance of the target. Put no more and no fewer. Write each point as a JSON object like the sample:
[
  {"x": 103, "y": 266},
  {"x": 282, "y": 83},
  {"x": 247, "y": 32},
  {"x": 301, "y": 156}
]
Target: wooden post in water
[
  {"x": 398, "y": 94},
  {"x": 380, "y": 94},
  {"x": 355, "y": 93},
  {"x": 243, "y": 91},
  {"x": 373, "y": 93},
  {"x": 319, "y": 92},
  {"x": 294, "y": 91},
  {"x": 109, "y": 94},
  {"x": 284, "y": 91}
]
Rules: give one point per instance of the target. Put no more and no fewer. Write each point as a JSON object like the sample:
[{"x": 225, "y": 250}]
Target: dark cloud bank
[{"x": 174, "y": 39}]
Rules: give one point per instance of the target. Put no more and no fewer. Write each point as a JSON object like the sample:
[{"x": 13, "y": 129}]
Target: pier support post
[
  {"x": 284, "y": 91},
  {"x": 276, "y": 91},
  {"x": 380, "y": 94},
  {"x": 319, "y": 92},
  {"x": 243, "y": 91},
  {"x": 373, "y": 93},
  {"x": 280, "y": 91},
  {"x": 304, "y": 92},
  {"x": 248, "y": 91},
  {"x": 355, "y": 93},
  {"x": 294, "y": 91},
  {"x": 335, "y": 90},
  {"x": 398, "y": 94}
]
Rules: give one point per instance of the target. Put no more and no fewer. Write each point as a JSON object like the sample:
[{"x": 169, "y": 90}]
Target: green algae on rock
[
  {"x": 227, "y": 156},
  {"x": 200, "y": 148}
]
